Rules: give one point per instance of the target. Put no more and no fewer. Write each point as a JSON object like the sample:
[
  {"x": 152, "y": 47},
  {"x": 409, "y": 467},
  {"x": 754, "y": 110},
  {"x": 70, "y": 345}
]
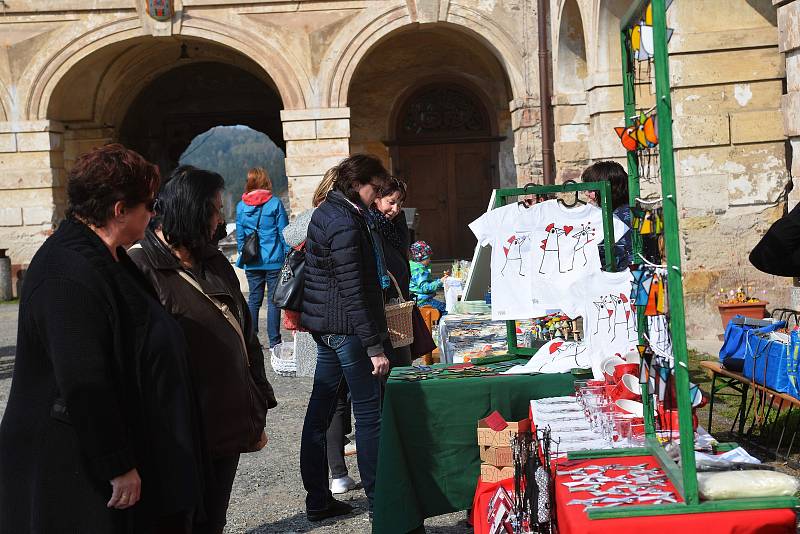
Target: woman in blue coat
[{"x": 260, "y": 211}]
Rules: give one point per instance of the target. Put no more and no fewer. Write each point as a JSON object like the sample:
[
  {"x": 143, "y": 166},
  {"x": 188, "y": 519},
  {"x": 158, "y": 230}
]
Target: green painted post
[{"x": 673, "y": 250}]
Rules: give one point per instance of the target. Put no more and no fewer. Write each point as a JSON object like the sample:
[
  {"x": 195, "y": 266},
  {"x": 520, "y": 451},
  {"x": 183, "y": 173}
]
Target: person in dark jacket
[
  {"x": 778, "y": 252},
  {"x": 98, "y": 434},
  {"x": 260, "y": 211},
  {"x": 615, "y": 175},
  {"x": 387, "y": 218},
  {"x": 345, "y": 277},
  {"x": 197, "y": 285}
]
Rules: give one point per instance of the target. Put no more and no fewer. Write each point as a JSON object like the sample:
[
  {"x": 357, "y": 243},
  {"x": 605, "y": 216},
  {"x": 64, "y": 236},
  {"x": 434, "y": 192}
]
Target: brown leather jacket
[{"x": 230, "y": 383}]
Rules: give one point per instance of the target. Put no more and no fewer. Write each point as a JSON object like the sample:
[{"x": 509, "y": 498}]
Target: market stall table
[
  {"x": 429, "y": 460},
  {"x": 572, "y": 519}
]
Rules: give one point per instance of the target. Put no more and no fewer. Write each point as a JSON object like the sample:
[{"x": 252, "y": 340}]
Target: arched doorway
[
  {"x": 188, "y": 100},
  {"x": 445, "y": 149}
]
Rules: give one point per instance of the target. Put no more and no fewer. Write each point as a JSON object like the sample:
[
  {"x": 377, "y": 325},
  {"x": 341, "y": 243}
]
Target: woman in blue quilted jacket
[{"x": 260, "y": 211}]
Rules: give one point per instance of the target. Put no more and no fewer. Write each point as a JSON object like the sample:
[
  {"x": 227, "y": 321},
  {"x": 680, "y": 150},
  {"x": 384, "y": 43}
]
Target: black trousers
[
  {"x": 217, "y": 495},
  {"x": 335, "y": 436}
]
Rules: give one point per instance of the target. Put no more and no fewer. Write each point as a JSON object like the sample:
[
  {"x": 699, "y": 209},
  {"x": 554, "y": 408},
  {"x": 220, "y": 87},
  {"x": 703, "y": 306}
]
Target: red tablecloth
[
  {"x": 573, "y": 520},
  {"x": 480, "y": 504}
]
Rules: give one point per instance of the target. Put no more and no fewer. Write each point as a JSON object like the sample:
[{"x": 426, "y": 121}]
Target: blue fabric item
[
  {"x": 767, "y": 362},
  {"x": 340, "y": 356},
  {"x": 731, "y": 355},
  {"x": 257, "y": 280},
  {"x": 273, "y": 221},
  {"x": 380, "y": 263},
  {"x": 423, "y": 286},
  {"x": 623, "y": 248}
]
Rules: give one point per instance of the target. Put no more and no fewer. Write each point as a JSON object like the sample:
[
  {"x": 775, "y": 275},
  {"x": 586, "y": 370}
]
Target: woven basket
[
  {"x": 283, "y": 359},
  {"x": 398, "y": 319}
]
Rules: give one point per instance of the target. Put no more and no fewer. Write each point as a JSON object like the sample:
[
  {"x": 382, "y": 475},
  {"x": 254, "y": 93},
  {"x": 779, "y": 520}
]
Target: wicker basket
[
  {"x": 398, "y": 319},
  {"x": 283, "y": 360}
]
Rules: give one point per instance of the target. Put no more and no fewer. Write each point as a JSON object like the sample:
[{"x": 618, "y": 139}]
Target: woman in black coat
[
  {"x": 387, "y": 218},
  {"x": 778, "y": 252},
  {"x": 98, "y": 432},
  {"x": 345, "y": 277},
  {"x": 197, "y": 285}
]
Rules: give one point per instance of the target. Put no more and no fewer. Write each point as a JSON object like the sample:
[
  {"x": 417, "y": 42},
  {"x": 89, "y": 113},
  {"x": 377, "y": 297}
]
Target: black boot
[{"x": 334, "y": 508}]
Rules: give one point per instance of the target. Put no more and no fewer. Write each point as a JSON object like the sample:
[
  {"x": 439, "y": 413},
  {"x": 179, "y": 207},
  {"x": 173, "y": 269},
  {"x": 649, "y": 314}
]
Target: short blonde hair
[
  {"x": 257, "y": 178},
  {"x": 324, "y": 187}
]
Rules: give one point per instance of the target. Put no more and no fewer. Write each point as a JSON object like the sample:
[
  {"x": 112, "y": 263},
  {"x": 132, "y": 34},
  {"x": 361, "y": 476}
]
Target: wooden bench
[
  {"x": 764, "y": 398},
  {"x": 728, "y": 380}
]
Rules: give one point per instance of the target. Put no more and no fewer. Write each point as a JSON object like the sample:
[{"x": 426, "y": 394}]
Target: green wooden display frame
[
  {"x": 604, "y": 189},
  {"x": 683, "y": 477}
]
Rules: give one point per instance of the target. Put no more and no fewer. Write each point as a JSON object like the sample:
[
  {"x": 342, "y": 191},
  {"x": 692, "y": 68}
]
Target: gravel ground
[{"x": 268, "y": 494}]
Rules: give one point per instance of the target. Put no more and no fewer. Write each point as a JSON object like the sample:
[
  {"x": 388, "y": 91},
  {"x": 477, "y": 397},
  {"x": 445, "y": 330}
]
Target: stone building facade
[{"x": 445, "y": 91}]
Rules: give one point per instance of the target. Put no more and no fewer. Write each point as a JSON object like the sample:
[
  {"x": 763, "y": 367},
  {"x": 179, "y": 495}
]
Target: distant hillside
[{"x": 231, "y": 151}]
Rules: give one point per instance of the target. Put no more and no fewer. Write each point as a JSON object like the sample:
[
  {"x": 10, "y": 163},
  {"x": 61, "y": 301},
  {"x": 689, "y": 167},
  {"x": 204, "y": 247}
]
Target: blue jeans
[
  {"x": 337, "y": 356},
  {"x": 257, "y": 279}
]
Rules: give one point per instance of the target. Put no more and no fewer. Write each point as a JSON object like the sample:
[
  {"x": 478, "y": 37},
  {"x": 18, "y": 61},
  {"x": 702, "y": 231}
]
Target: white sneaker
[{"x": 342, "y": 485}]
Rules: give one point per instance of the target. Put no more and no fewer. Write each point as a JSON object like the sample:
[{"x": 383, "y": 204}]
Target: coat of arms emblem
[{"x": 160, "y": 9}]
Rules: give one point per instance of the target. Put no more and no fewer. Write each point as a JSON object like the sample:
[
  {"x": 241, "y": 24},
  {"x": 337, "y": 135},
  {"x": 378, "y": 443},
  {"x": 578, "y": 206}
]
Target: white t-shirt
[
  {"x": 556, "y": 356},
  {"x": 567, "y": 240},
  {"x": 609, "y": 316},
  {"x": 508, "y": 230},
  {"x": 538, "y": 252}
]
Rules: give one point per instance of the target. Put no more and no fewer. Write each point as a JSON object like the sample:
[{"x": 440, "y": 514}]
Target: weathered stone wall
[
  {"x": 789, "y": 43},
  {"x": 78, "y": 66},
  {"x": 730, "y": 154}
]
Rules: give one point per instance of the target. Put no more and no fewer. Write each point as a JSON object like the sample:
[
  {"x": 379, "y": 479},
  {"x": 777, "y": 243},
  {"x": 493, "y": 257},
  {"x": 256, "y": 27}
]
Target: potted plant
[{"x": 739, "y": 302}]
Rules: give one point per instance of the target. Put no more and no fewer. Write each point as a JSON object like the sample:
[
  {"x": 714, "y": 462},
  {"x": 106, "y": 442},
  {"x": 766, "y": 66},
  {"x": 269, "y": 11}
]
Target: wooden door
[
  {"x": 425, "y": 168},
  {"x": 471, "y": 186},
  {"x": 450, "y": 185}
]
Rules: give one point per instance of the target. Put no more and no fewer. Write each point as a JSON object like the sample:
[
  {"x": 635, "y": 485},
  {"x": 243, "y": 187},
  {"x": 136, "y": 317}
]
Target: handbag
[
  {"x": 251, "y": 247},
  {"x": 288, "y": 294},
  {"x": 732, "y": 353},
  {"x": 423, "y": 340},
  {"x": 398, "y": 318},
  {"x": 260, "y": 407}
]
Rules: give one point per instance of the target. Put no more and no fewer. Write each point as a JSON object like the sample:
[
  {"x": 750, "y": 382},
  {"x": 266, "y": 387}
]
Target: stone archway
[
  {"x": 155, "y": 95},
  {"x": 569, "y": 99},
  {"x": 188, "y": 100},
  {"x": 437, "y": 69}
]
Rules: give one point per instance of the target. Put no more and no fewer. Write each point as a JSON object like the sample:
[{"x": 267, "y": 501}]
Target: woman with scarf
[
  {"x": 343, "y": 308},
  {"x": 387, "y": 218}
]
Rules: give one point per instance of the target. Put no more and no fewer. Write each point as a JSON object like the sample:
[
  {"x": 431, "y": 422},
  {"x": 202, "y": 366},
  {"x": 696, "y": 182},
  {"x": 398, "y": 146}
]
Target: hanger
[
  {"x": 526, "y": 202},
  {"x": 575, "y": 201}
]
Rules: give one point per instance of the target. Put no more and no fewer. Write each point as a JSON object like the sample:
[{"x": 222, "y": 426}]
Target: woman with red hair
[{"x": 98, "y": 434}]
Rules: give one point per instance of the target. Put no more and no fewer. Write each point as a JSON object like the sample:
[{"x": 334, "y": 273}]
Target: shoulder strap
[{"x": 221, "y": 306}]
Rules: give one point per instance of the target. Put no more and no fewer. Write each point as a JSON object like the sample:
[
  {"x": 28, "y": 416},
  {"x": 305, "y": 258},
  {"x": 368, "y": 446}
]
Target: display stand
[
  {"x": 604, "y": 189},
  {"x": 684, "y": 478}
]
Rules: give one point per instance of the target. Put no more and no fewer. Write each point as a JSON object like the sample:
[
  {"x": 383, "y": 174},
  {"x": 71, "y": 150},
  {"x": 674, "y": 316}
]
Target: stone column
[
  {"x": 316, "y": 140},
  {"x": 789, "y": 44},
  {"x": 31, "y": 185},
  {"x": 527, "y": 127}
]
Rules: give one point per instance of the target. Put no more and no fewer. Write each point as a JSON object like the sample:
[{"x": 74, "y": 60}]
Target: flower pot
[{"x": 753, "y": 310}]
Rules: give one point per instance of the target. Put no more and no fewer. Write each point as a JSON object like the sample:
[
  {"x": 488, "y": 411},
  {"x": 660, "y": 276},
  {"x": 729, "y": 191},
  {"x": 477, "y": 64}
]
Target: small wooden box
[
  {"x": 492, "y": 438},
  {"x": 490, "y": 473},
  {"x": 497, "y": 456}
]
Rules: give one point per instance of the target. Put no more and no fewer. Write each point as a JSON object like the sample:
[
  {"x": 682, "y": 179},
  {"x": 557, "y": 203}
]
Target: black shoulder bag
[
  {"x": 251, "y": 248},
  {"x": 288, "y": 294}
]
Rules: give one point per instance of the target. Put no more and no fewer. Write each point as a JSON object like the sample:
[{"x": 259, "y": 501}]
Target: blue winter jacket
[{"x": 273, "y": 221}]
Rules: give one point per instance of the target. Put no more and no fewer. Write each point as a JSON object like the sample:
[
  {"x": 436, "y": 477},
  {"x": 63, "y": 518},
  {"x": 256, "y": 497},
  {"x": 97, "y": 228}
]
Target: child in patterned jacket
[{"x": 423, "y": 286}]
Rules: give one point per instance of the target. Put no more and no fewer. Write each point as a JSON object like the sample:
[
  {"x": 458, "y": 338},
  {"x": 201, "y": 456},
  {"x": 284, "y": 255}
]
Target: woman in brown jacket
[{"x": 197, "y": 285}]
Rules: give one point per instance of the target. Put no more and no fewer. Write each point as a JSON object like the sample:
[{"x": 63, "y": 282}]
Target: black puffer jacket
[{"x": 342, "y": 294}]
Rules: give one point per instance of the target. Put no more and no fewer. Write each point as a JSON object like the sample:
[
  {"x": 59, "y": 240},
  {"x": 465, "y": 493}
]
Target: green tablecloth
[{"x": 428, "y": 463}]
